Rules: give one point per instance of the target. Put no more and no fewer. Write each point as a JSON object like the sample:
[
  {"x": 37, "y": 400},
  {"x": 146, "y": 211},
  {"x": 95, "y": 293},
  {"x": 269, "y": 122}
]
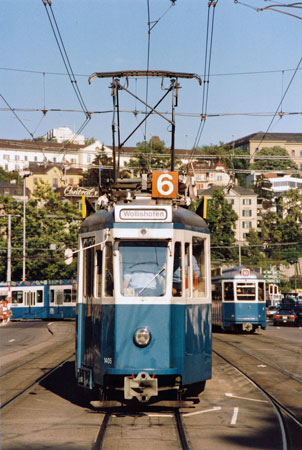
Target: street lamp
[{"x": 24, "y": 174}]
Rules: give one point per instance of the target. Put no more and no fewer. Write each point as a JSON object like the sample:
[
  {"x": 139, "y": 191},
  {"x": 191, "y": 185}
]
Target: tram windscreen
[
  {"x": 246, "y": 292},
  {"x": 143, "y": 268}
]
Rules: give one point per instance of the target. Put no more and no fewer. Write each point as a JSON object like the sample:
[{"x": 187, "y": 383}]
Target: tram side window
[
  {"x": 229, "y": 291},
  {"x": 39, "y": 296},
  {"x": 17, "y": 297},
  {"x": 108, "y": 270},
  {"x": 198, "y": 267},
  {"x": 99, "y": 272},
  {"x": 88, "y": 272},
  {"x": 51, "y": 296},
  {"x": 177, "y": 271}
]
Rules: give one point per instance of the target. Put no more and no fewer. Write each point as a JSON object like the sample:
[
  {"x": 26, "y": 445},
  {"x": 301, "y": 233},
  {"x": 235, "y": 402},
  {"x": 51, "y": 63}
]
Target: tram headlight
[{"x": 142, "y": 337}]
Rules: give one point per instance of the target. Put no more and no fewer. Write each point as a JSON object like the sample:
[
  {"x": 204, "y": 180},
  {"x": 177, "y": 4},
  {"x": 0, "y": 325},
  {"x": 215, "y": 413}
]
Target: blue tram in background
[
  {"x": 40, "y": 299},
  {"x": 238, "y": 299},
  {"x": 144, "y": 302}
]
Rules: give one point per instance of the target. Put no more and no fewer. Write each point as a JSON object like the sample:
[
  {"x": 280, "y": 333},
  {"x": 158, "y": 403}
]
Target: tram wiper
[{"x": 153, "y": 278}]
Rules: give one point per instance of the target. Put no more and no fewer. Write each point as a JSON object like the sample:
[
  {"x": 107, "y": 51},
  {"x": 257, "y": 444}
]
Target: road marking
[
  {"x": 261, "y": 365},
  {"x": 216, "y": 408},
  {"x": 245, "y": 398},
  {"x": 235, "y": 415},
  {"x": 11, "y": 340}
]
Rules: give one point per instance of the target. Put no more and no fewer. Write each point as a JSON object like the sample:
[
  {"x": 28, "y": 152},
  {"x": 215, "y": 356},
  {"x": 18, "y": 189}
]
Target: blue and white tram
[
  {"x": 238, "y": 299},
  {"x": 40, "y": 299},
  {"x": 144, "y": 303}
]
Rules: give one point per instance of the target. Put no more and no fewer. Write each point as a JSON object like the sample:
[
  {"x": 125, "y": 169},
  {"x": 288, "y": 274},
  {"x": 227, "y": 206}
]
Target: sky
[{"x": 254, "y": 56}]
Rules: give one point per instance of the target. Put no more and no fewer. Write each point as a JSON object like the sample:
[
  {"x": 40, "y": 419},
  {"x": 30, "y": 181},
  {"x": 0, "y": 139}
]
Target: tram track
[
  {"x": 264, "y": 360},
  {"x": 290, "y": 425},
  {"x": 22, "y": 392},
  {"x": 100, "y": 443},
  {"x": 18, "y": 378}
]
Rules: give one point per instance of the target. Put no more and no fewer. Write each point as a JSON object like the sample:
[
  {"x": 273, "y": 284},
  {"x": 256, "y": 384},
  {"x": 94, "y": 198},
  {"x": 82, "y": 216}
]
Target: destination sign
[{"x": 143, "y": 214}]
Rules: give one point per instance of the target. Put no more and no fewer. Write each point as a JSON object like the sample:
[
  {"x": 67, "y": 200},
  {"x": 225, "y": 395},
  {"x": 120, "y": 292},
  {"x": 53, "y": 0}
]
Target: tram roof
[
  {"x": 104, "y": 219},
  {"x": 236, "y": 272}
]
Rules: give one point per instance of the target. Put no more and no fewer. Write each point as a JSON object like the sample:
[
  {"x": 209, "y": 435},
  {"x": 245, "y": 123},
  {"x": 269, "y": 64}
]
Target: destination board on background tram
[{"x": 164, "y": 184}]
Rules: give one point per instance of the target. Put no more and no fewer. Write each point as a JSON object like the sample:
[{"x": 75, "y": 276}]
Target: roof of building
[
  {"x": 37, "y": 146},
  {"x": 238, "y": 190},
  {"x": 261, "y": 136},
  {"x": 43, "y": 169}
]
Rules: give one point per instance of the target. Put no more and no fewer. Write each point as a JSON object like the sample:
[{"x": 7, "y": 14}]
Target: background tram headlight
[{"x": 142, "y": 337}]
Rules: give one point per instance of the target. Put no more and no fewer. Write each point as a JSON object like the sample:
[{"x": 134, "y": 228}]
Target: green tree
[
  {"x": 151, "y": 155},
  {"x": 263, "y": 188},
  {"x": 273, "y": 158},
  {"x": 6, "y": 176},
  {"x": 48, "y": 222},
  {"x": 221, "y": 219}
]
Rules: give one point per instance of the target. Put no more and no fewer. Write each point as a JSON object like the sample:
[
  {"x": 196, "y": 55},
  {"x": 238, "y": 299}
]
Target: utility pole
[
  {"x": 9, "y": 250},
  {"x": 24, "y": 174}
]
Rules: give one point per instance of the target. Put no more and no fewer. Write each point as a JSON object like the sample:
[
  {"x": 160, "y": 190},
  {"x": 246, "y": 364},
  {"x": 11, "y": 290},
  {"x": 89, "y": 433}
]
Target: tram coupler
[{"x": 142, "y": 387}]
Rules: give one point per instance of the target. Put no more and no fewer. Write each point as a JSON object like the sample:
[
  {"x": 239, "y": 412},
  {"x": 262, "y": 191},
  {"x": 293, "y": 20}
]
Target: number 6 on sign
[{"x": 164, "y": 184}]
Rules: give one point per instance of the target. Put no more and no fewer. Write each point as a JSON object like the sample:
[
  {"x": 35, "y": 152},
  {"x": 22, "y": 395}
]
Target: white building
[
  {"x": 63, "y": 134},
  {"x": 17, "y": 155}
]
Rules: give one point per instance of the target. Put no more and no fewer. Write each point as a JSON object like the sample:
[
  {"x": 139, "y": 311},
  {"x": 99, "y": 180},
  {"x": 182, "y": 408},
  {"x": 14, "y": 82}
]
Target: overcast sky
[{"x": 254, "y": 57}]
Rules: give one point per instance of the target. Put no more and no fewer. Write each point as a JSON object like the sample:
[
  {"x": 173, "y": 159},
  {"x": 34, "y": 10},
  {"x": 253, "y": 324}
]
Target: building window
[
  {"x": 55, "y": 182},
  {"x": 293, "y": 153},
  {"x": 247, "y": 213},
  {"x": 246, "y": 201},
  {"x": 71, "y": 181},
  {"x": 231, "y": 201},
  {"x": 35, "y": 158},
  {"x": 6, "y": 157},
  {"x": 6, "y": 167},
  {"x": 17, "y": 167},
  {"x": 25, "y": 158},
  {"x": 219, "y": 178},
  {"x": 17, "y": 157},
  {"x": 247, "y": 225},
  {"x": 54, "y": 159}
]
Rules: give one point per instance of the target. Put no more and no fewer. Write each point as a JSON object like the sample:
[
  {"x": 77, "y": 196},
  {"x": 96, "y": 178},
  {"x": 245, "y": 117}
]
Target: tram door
[{"x": 33, "y": 299}]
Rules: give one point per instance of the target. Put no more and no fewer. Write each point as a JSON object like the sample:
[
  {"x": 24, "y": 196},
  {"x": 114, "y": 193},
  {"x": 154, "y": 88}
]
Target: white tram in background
[
  {"x": 238, "y": 299},
  {"x": 144, "y": 302}
]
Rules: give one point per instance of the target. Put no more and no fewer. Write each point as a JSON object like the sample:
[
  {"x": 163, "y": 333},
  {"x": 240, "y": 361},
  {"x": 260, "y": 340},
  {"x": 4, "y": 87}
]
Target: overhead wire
[{"x": 207, "y": 69}]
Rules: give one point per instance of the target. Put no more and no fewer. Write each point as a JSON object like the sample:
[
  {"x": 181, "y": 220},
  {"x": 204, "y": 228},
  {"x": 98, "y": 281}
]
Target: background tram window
[
  {"x": 108, "y": 269},
  {"x": 99, "y": 272},
  {"x": 67, "y": 295},
  {"x": 39, "y": 296},
  {"x": 198, "y": 266},
  {"x": 17, "y": 297},
  {"x": 246, "y": 292},
  {"x": 52, "y": 296},
  {"x": 229, "y": 291},
  {"x": 177, "y": 271}
]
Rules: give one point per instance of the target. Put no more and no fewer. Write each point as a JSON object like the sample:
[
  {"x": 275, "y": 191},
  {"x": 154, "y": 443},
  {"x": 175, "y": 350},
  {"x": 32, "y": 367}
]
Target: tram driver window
[
  {"x": 143, "y": 268},
  {"x": 229, "y": 291}
]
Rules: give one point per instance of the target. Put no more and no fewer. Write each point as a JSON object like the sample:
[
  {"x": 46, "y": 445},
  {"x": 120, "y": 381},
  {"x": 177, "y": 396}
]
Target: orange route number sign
[{"x": 164, "y": 184}]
